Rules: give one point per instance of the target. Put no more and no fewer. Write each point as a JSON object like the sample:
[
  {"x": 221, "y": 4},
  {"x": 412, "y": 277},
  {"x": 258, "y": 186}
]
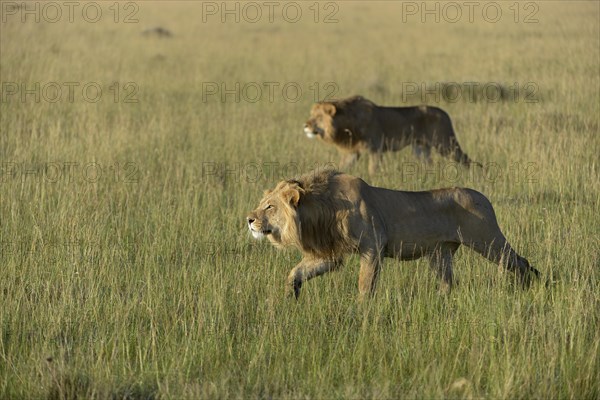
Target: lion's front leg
[
  {"x": 305, "y": 270},
  {"x": 348, "y": 159},
  {"x": 374, "y": 161},
  {"x": 370, "y": 264}
]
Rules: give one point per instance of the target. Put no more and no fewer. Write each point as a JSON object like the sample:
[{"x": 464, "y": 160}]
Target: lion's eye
[{"x": 269, "y": 207}]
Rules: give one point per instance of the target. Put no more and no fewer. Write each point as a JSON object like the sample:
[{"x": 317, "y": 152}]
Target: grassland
[{"x": 127, "y": 269}]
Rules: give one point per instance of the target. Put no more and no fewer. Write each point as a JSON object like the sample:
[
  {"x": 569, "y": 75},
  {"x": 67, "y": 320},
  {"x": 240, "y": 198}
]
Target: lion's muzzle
[
  {"x": 310, "y": 132},
  {"x": 257, "y": 231}
]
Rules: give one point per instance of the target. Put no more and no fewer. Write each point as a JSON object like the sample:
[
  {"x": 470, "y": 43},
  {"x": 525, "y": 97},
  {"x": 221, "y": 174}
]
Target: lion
[
  {"x": 356, "y": 125},
  {"x": 327, "y": 214}
]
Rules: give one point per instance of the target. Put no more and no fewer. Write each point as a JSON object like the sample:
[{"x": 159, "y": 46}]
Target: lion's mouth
[{"x": 261, "y": 233}]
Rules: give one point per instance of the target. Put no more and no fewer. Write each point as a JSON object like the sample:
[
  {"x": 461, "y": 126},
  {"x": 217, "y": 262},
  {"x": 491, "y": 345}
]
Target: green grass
[{"x": 142, "y": 282}]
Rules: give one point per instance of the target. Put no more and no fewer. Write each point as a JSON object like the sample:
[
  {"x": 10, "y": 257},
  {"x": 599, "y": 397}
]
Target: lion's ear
[
  {"x": 291, "y": 196},
  {"x": 328, "y": 108}
]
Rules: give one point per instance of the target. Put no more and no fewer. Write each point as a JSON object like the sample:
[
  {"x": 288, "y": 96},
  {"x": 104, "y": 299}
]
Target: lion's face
[
  {"x": 276, "y": 213},
  {"x": 321, "y": 121}
]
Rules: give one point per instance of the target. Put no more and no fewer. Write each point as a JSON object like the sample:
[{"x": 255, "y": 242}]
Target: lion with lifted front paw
[{"x": 327, "y": 215}]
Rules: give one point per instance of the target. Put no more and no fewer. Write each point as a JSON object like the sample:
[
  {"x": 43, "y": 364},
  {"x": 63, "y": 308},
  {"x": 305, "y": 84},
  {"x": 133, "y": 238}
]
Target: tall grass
[{"x": 134, "y": 276}]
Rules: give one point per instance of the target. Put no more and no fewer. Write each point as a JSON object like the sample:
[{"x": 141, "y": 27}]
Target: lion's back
[
  {"x": 432, "y": 216},
  {"x": 415, "y": 123}
]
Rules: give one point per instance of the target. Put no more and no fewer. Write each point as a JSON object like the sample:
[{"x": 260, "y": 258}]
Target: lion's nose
[{"x": 250, "y": 220}]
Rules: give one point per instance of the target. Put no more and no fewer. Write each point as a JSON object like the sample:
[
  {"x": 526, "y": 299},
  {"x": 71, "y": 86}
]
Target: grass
[{"x": 127, "y": 268}]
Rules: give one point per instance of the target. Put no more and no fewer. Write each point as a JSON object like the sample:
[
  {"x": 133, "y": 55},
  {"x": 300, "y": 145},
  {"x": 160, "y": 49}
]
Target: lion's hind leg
[
  {"x": 441, "y": 262},
  {"x": 422, "y": 152},
  {"x": 307, "y": 269}
]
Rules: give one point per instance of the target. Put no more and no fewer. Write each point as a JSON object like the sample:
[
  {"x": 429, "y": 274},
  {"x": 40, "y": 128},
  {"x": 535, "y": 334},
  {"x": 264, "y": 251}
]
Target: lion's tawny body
[
  {"x": 327, "y": 215},
  {"x": 356, "y": 125}
]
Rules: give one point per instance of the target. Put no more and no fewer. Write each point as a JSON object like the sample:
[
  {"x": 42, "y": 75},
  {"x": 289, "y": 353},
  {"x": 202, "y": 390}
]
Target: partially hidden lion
[
  {"x": 327, "y": 215},
  {"x": 356, "y": 125}
]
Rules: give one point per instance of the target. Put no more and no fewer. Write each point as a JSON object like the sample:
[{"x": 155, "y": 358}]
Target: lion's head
[
  {"x": 304, "y": 213},
  {"x": 321, "y": 121},
  {"x": 276, "y": 216},
  {"x": 338, "y": 121}
]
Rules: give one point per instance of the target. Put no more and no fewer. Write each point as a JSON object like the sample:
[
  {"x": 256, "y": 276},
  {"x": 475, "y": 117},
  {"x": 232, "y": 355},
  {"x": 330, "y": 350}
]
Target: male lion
[
  {"x": 356, "y": 125},
  {"x": 327, "y": 214}
]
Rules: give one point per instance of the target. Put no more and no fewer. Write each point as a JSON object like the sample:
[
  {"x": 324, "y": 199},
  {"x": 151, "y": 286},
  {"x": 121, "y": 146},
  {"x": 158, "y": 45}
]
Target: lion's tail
[
  {"x": 527, "y": 271},
  {"x": 450, "y": 147},
  {"x": 462, "y": 157},
  {"x": 529, "y": 267}
]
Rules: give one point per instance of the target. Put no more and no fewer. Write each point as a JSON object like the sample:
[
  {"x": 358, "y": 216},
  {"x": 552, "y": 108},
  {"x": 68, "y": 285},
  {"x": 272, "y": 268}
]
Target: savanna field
[{"x": 129, "y": 162}]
